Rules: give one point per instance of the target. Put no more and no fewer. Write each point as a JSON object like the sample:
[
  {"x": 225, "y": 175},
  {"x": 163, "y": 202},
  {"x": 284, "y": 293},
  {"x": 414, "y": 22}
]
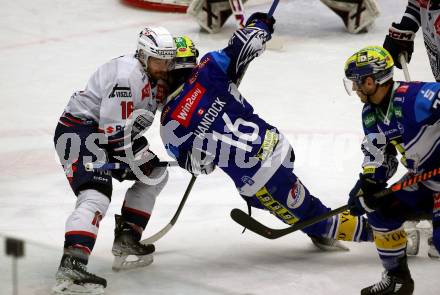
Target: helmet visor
[{"x": 350, "y": 85}]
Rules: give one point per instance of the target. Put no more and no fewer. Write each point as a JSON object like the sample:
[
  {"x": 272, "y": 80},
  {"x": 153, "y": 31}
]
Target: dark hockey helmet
[{"x": 371, "y": 61}]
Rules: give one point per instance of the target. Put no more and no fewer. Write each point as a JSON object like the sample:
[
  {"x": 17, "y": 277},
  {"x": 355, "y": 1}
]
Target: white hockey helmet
[{"x": 156, "y": 42}]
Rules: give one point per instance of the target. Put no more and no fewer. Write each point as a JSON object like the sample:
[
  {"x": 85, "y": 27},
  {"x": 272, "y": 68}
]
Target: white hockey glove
[{"x": 196, "y": 162}]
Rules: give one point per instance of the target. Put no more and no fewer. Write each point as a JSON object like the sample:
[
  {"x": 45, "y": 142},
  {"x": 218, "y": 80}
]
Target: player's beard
[{"x": 366, "y": 97}]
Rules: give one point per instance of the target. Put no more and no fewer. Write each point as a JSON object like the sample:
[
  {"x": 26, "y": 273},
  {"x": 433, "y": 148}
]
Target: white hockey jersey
[
  {"x": 426, "y": 14},
  {"x": 113, "y": 92}
]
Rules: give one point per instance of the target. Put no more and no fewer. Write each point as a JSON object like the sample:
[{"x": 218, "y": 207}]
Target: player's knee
[
  {"x": 92, "y": 201},
  {"x": 390, "y": 242},
  {"x": 352, "y": 228}
]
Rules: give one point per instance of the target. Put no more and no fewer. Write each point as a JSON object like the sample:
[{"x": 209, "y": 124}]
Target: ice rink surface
[{"x": 48, "y": 49}]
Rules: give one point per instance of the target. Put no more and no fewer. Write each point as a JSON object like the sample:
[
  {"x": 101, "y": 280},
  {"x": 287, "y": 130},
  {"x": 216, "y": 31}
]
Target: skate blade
[
  {"x": 67, "y": 287},
  {"x": 433, "y": 253},
  {"x": 330, "y": 245},
  {"x": 122, "y": 262},
  {"x": 413, "y": 244}
]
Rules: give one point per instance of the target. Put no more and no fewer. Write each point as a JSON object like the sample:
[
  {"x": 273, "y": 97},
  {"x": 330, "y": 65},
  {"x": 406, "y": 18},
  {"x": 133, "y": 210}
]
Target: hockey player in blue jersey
[
  {"x": 208, "y": 123},
  {"x": 397, "y": 117}
]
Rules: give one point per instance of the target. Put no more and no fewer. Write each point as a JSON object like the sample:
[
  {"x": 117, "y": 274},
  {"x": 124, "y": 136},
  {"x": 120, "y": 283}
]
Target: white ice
[{"x": 48, "y": 49}]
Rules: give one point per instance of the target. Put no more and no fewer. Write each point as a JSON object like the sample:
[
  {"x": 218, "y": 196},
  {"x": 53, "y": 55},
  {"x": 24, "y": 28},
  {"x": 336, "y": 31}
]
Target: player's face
[
  {"x": 366, "y": 90},
  {"x": 158, "y": 68}
]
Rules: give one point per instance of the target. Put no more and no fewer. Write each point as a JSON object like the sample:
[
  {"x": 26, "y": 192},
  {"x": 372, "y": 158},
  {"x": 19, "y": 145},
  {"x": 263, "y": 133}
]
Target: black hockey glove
[
  {"x": 399, "y": 41},
  {"x": 141, "y": 153},
  {"x": 252, "y": 21},
  {"x": 361, "y": 198}
]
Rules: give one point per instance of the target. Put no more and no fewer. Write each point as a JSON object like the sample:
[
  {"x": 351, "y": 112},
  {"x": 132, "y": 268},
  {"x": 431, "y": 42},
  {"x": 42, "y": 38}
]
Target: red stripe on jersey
[
  {"x": 81, "y": 233},
  {"x": 65, "y": 123},
  {"x": 137, "y": 212},
  {"x": 83, "y": 248}
]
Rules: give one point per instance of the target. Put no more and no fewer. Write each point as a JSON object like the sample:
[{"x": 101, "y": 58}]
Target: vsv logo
[{"x": 188, "y": 104}]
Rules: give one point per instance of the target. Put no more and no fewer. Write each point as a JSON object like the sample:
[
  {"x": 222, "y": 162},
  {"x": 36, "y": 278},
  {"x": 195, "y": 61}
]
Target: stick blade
[{"x": 250, "y": 223}]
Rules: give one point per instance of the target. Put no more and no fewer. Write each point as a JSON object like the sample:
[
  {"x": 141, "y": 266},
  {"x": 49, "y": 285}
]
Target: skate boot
[
  {"x": 127, "y": 244},
  {"x": 72, "y": 278},
  {"x": 413, "y": 241},
  {"x": 328, "y": 244},
  {"x": 432, "y": 251},
  {"x": 396, "y": 281}
]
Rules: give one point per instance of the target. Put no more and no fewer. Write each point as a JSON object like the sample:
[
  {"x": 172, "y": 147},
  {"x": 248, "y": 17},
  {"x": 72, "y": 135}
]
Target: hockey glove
[
  {"x": 262, "y": 21},
  {"x": 145, "y": 159},
  {"x": 361, "y": 198},
  {"x": 197, "y": 163},
  {"x": 399, "y": 41}
]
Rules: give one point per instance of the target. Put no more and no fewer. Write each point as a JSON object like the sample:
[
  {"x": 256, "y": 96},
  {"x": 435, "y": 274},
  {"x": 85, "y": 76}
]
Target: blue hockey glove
[
  {"x": 399, "y": 41},
  {"x": 262, "y": 21},
  {"x": 361, "y": 198}
]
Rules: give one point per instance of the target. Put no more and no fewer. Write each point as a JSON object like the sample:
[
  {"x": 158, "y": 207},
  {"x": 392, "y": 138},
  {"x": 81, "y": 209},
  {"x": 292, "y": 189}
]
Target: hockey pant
[
  {"x": 286, "y": 197},
  {"x": 387, "y": 223},
  {"x": 94, "y": 189}
]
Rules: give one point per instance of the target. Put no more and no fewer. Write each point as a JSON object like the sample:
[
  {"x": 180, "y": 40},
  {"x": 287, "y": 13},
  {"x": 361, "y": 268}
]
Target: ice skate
[
  {"x": 432, "y": 251},
  {"x": 127, "y": 246},
  {"x": 413, "y": 241},
  {"x": 72, "y": 278},
  {"x": 328, "y": 244},
  {"x": 397, "y": 282}
]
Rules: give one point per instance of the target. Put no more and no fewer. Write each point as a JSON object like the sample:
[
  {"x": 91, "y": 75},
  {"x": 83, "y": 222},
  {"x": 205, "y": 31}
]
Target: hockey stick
[
  {"x": 249, "y": 222},
  {"x": 168, "y": 227},
  {"x": 402, "y": 60},
  {"x": 238, "y": 11},
  {"x": 118, "y": 166},
  {"x": 269, "y": 14}
]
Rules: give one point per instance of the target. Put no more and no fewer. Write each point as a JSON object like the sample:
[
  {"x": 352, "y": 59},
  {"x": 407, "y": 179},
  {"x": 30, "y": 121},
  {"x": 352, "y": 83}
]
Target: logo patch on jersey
[
  {"x": 120, "y": 91},
  {"x": 436, "y": 203},
  {"x": 296, "y": 196},
  {"x": 209, "y": 117},
  {"x": 188, "y": 104},
  {"x": 437, "y": 25},
  {"x": 146, "y": 91},
  {"x": 109, "y": 130},
  {"x": 160, "y": 92},
  {"x": 271, "y": 139},
  {"x": 70, "y": 170},
  {"x": 165, "y": 112},
  {"x": 402, "y": 89},
  {"x": 201, "y": 111},
  {"x": 369, "y": 120},
  {"x": 248, "y": 180},
  {"x": 423, "y": 3}
]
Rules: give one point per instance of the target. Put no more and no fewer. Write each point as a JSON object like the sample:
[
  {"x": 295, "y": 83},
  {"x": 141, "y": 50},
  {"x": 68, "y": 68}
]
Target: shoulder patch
[
  {"x": 369, "y": 120},
  {"x": 222, "y": 59},
  {"x": 402, "y": 88},
  {"x": 426, "y": 99}
]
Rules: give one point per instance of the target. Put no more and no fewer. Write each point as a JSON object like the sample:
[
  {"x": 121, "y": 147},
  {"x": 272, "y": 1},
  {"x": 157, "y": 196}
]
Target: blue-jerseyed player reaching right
[{"x": 208, "y": 123}]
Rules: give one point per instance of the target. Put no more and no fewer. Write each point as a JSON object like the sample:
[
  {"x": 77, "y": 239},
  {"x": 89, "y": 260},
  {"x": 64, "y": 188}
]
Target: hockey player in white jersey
[
  {"x": 423, "y": 14},
  {"x": 357, "y": 15},
  {"x": 91, "y": 129}
]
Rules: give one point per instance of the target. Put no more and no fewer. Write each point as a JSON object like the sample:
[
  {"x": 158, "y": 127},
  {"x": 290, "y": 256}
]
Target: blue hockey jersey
[
  {"x": 209, "y": 114},
  {"x": 411, "y": 125}
]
